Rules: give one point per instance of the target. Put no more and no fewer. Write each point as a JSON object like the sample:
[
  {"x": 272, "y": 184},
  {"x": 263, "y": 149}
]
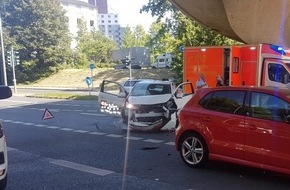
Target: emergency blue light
[{"x": 278, "y": 49}]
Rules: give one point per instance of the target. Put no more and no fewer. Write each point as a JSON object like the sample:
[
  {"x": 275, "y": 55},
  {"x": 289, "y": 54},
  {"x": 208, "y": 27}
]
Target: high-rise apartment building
[
  {"x": 77, "y": 10},
  {"x": 110, "y": 27},
  {"x": 95, "y": 14},
  {"x": 108, "y": 22},
  {"x": 102, "y": 5}
]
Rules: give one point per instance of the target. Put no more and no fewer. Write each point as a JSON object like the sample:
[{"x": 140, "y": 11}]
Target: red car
[{"x": 243, "y": 125}]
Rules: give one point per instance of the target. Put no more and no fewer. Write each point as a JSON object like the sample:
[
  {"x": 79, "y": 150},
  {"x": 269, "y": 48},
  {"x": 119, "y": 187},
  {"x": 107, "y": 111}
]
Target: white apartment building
[
  {"x": 110, "y": 27},
  {"x": 80, "y": 9}
]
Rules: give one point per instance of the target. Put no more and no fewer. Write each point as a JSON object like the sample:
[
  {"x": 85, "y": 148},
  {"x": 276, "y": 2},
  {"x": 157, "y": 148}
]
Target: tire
[{"x": 193, "y": 150}]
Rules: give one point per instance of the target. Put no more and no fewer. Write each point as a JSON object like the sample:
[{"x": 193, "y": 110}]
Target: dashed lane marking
[
  {"x": 52, "y": 127},
  {"x": 94, "y": 114},
  {"x": 153, "y": 140},
  {"x": 66, "y": 129},
  {"x": 133, "y": 138},
  {"x": 114, "y": 135},
  {"x": 80, "y": 131},
  {"x": 89, "y": 132},
  {"x": 97, "y": 133}
]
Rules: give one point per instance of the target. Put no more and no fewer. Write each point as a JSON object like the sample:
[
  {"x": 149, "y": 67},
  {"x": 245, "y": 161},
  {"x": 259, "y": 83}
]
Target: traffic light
[
  {"x": 9, "y": 58},
  {"x": 16, "y": 57},
  {"x": 126, "y": 61}
]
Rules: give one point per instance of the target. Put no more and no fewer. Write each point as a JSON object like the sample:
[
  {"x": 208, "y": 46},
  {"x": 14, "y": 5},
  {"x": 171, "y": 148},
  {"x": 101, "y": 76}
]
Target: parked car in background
[
  {"x": 242, "y": 125},
  {"x": 151, "y": 105},
  {"x": 123, "y": 66},
  {"x": 5, "y": 92},
  {"x": 164, "y": 60}
]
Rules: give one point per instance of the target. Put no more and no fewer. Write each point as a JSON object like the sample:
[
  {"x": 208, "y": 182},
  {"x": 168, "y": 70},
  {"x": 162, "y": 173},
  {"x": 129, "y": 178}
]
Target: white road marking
[
  {"x": 40, "y": 125},
  {"x": 92, "y": 133},
  {"x": 52, "y": 127},
  {"x": 80, "y": 167},
  {"x": 170, "y": 143},
  {"x": 133, "y": 138},
  {"x": 17, "y": 122},
  {"x": 93, "y": 114},
  {"x": 17, "y": 101},
  {"x": 153, "y": 140},
  {"x": 114, "y": 135},
  {"x": 11, "y": 149},
  {"x": 28, "y": 124},
  {"x": 80, "y": 131},
  {"x": 65, "y": 129},
  {"x": 97, "y": 133}
]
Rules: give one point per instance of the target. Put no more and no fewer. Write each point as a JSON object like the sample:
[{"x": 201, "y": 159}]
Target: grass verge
[{"x": 65, "y": 96}]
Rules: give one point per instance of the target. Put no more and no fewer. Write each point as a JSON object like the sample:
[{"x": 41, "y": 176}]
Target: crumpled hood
[{"x": 149, "y": 100}]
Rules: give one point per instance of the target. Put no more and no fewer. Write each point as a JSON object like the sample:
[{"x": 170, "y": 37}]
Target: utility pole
[{"x": 3, "y": 55}]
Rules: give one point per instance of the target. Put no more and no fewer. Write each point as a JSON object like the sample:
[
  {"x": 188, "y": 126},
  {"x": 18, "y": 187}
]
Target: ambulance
[{"x": 240, "y": 65}]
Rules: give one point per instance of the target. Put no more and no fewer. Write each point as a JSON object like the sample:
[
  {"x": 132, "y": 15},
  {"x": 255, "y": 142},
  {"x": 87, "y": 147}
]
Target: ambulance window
[
  {"x": 236, "y": 64},
  {"x": 278, "y": 73}
]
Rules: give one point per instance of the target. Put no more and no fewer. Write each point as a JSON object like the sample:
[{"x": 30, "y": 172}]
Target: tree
[
  {"x": 135, "y": 37},
  {"x": 40, "y": 28},
  {"x": 159, "y": 44},
  {"x": 128, "y": 38},
  {"x": 96, "y": 47},
  {"x": 185, "y": 31},
  {"x": 140, "y": 36}
]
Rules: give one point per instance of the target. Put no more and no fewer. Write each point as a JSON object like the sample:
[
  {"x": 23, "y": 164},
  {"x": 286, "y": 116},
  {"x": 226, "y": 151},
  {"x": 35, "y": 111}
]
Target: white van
[{"x": 163, "y": 60}]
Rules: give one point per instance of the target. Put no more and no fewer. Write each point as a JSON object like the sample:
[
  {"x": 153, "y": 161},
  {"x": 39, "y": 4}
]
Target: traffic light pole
[
  {"x": 3, "y": 55},
  {"x": 13, "y": 69}
]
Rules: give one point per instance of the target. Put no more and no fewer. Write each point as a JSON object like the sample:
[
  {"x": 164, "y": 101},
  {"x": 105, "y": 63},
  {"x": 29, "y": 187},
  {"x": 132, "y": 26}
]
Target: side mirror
[
  {"x": 179, "y": 95},
  {"x": 5, "y": 92}
]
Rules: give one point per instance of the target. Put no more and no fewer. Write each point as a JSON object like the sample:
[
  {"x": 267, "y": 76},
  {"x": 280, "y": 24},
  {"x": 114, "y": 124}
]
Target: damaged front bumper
[{"x": 153, "y": 120}]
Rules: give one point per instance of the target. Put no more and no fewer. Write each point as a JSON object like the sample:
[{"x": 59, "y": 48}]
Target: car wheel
[{"x": 193, "y": 150}]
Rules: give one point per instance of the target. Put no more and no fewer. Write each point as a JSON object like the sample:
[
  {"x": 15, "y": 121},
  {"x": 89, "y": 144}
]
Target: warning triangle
[{"x": 47, "y": 115}]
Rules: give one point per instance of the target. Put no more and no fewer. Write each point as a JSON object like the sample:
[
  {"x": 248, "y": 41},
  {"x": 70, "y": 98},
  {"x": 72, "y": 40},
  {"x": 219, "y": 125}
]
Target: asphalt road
[{"x": 81, "y": 148}]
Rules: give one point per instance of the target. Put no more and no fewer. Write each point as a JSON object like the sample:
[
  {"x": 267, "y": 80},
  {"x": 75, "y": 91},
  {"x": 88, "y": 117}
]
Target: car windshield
[
  {"x": 145, "y": 89},
  {"x": 130, "y": 83}
]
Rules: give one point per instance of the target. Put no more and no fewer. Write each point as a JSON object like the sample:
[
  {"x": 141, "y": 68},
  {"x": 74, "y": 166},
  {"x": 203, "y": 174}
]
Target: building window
[
  {"x": 102, "y": 16},
  {"x": 79, "y": 20},
  {"x": 103, "y": 21},
  {"x": 92, "y": 23},
  {"x": 109, "y": 16},
  {"x": 116, "y": 21},
  {"x": 110, "y": 31},
  {"x": 109, "y": 21}
]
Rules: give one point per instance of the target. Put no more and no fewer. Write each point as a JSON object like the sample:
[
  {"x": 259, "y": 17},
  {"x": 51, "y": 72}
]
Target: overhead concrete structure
[{"x": 249, "y": 21}]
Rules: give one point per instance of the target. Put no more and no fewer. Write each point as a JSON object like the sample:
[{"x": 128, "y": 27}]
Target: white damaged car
[{"x": 151, "y": 105}]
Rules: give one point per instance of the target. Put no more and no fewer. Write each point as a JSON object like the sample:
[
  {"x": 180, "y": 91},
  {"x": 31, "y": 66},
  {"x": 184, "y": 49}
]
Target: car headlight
[{"x": 130, "y": 106}]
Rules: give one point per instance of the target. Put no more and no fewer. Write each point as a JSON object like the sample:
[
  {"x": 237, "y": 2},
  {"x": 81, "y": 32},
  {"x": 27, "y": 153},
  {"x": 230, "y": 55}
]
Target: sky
[{"x": 128, "y": 11}]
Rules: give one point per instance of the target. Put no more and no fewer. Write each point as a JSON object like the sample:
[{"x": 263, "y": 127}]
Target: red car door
[
  {"x": 224, "y": 120},
  {"x": 267, "y": 136}
]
